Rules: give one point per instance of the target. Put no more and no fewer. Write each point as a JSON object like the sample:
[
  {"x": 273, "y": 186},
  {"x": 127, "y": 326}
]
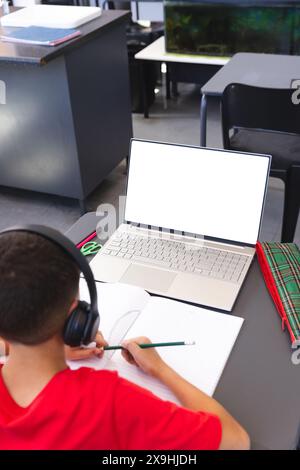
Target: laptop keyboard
[{"x": 169, "y": 254}]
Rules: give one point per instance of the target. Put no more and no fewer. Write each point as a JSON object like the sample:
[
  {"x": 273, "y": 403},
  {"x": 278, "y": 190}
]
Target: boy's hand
[
  {"x": 75, "y": 354},
  {"x": 147, "y": 359}
]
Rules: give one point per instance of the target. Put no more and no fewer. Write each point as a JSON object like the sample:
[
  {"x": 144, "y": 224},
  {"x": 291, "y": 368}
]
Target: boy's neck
[{"x": 30, "y": 368}]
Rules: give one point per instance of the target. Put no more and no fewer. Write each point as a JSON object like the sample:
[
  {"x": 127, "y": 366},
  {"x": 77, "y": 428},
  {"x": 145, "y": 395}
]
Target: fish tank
[{"x": 223, "y": 28}]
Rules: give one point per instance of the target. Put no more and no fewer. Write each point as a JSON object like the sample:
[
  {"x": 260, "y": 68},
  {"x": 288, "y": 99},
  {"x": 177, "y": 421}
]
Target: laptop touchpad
[{"x": 148, "y": 278}]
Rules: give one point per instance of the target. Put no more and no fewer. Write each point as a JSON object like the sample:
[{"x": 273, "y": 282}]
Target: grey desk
[
  {"x": 260, "y": 386},
  {"x": 66, "y": 119},
  {"x": 263, "y": 70}
]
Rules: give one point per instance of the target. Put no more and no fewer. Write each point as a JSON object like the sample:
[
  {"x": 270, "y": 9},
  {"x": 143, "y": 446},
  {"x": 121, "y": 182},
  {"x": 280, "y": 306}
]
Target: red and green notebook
[{"x": 280, "y": 265}]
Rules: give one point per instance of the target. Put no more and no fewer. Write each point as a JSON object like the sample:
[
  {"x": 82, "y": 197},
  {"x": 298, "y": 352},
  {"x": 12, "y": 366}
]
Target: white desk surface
[{"x": 157, "y": 52}]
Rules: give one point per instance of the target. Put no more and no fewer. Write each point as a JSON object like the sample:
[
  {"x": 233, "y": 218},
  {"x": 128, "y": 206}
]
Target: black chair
[{"x": 265, "y": 120}]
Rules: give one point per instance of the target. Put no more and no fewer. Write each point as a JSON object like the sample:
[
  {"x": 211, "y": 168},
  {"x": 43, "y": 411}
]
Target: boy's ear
[
  {"x": 4, "y": 347},
  {"x": 73, "y": 306}
]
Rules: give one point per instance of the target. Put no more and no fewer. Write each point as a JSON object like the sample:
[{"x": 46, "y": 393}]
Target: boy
[{"x": 44, "y": 405}]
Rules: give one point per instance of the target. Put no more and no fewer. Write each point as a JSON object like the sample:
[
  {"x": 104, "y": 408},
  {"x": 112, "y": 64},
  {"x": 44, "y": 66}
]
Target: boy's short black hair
[{"x": 38, "y": 281}]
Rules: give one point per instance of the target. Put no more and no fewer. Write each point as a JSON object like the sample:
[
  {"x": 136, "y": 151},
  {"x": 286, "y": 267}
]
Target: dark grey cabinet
[{"x": 65, "y": 117}]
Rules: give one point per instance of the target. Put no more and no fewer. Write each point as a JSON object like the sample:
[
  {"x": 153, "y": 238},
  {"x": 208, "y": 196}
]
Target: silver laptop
[{"x": 192, "y": 219}]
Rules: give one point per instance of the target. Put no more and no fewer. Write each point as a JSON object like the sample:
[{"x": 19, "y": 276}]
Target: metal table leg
[
  {"x": 144, "y": 89},
  {"x": 203, "y": 120}
]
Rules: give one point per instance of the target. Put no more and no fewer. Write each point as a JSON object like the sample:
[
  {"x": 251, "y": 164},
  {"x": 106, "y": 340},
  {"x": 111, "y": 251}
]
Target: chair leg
[{"x": 291, "y": 204}]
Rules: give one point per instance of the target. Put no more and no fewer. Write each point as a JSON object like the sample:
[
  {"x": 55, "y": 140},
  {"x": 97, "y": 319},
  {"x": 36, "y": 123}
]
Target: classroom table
[
  {"x": 185, "y": 68},
  {"x": 262, "y": 70},
  {"x": 260, "y": 385},
  {"x": 65, "y": 111}
]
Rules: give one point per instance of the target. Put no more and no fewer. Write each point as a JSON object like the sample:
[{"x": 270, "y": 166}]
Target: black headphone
[{"x": 82, "y": 324}]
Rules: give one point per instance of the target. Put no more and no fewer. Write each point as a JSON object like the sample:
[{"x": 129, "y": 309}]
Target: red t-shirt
[{"x": 88, "y": 409}]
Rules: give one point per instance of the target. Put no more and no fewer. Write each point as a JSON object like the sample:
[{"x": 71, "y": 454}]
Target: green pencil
[{"x": 153, "y": 345}]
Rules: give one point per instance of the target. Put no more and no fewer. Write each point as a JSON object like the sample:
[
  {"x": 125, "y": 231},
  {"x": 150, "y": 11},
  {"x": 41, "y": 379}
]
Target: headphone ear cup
[{"x": 75, "y": 325}]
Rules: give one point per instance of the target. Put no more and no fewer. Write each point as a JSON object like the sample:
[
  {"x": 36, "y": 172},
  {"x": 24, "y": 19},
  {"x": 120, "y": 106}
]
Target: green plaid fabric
[{"x": 280, "y": 263}]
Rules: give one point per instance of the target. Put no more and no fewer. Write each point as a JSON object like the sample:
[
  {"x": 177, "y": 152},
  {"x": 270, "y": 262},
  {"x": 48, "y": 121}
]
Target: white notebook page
[{"x": 164, "y": 320}]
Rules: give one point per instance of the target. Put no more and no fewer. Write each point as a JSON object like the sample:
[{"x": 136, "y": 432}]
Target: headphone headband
[{"x": 70, "y": 249}]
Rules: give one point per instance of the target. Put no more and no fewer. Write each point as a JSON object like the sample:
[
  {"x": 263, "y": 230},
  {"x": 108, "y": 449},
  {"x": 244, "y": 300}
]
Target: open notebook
[{"x": 128, "y": 311}]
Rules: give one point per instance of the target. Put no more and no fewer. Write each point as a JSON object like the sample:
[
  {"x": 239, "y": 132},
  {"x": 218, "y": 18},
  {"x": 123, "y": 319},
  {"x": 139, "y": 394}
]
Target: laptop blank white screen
[{"x": 202, "y": 191}]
